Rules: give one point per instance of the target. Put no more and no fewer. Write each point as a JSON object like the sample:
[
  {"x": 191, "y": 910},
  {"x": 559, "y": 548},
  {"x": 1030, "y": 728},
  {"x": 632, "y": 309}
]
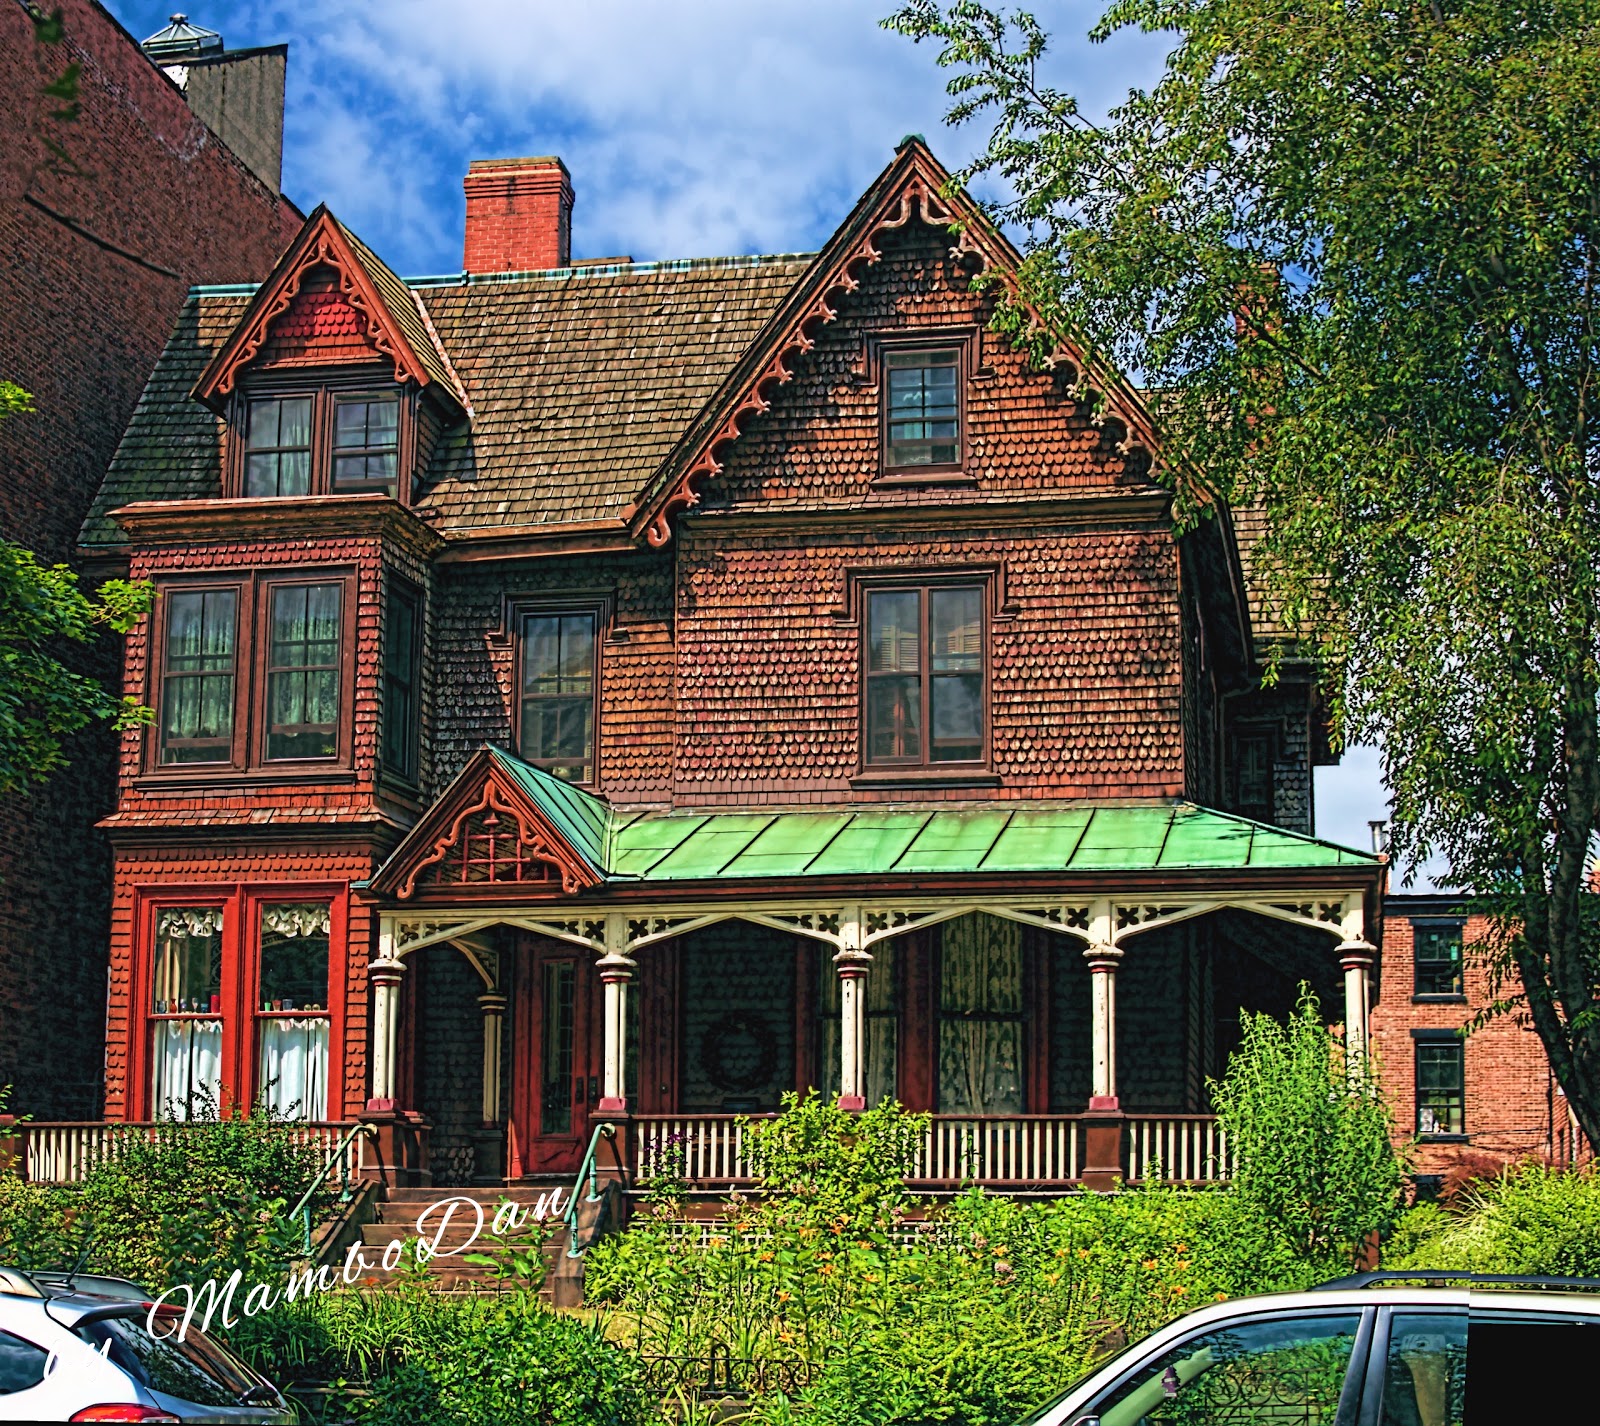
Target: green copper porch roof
[{"x": 894, "y": 841}]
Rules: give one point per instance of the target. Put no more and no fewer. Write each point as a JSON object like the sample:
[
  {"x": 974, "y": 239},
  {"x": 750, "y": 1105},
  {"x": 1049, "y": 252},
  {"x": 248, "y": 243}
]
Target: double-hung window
[
  {"x": 292, "y": 1008},
  {"x": 925, "y": 682},
  {"x": 922, "y": 410},
  {"x": 267, "y": 653},
  {"x": 402, "y": 661},
  {"x": 558, "y": 683},
  {"x": 1437, "y": 951},
  {"x": 1441, "y": 1084},
  {"x": 186, "y": 1012},
  {"x": 277, "y": 443}
]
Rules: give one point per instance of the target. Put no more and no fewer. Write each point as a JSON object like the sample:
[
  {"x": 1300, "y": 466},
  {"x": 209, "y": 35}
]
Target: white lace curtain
[
  {"x": 188, "y": 1068},
  {"x": 294, "y": 1065},
  {"x": 182, "y": 922},
  {"x": 980, "y": 1016},
  {"x": 296, "y": 921}
]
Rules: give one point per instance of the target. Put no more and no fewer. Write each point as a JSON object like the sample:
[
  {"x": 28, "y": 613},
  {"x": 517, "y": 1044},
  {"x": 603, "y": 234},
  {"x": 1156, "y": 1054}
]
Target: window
[
  {"x": 1285, "y": 1369},
  {"x": 1438, "y": 957},
  {"x": 278, "y": 446},
  {"x": 22, "y": 1364},
  {"x": 330, "y": 441},
  {"x": 292, "y": 1009},
  {"x": 186, "y": 1012},
  {"x": 558, "y": 692},
  {"x": 366, "y": 443},
  {"x": 269, "y": 654},
  {"x": 924, "y": 692},
  {"x": 1252, "y": 775},
  {"x": 197, "y": 675},
  {"x": 982, "y": 1006},
  {"x": 1425, "y": 1376},
  {"x": 922, "y": 409},
  {"x": 1441, "y": 1085},
  {"x": 402, "y": 657},
  {"x": 303, "y": 671}
]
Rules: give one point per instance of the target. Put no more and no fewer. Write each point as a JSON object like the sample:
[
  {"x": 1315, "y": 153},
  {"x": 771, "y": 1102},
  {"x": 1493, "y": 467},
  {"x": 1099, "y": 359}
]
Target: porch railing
[
  {"x": 1013, "y": 1151},
  {"x": 64, "y": 1153}
]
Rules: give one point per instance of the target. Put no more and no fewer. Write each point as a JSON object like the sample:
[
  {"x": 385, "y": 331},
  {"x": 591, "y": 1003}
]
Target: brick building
[
  {"x": 635, "y": 690},
  {"x": 106, "y": 219}
]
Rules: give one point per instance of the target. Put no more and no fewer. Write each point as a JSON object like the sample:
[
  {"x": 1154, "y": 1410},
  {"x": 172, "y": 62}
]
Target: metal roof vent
[{"x": 180, "y": 41}]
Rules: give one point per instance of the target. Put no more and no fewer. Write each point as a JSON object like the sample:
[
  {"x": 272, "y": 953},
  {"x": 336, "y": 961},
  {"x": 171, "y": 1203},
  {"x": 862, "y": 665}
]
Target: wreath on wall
[{"x": 738, "y": 1052}]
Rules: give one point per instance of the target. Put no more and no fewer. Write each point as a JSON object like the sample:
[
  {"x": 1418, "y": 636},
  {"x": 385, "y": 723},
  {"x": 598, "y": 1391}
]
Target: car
[
  {"x": 78, "y": 1347},
  {"x": 1375, "y": 1349}
]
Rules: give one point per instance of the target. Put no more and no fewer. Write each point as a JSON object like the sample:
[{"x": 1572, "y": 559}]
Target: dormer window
[
  {"x": 922, "y": 391},
  {"x": 345, "y": 439}
]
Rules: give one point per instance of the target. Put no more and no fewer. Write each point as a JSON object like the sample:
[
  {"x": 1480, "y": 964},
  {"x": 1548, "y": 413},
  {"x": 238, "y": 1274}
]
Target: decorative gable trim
[
  {"x": 912, "y": 187},
  {"x": 484, "y": 835},
  {"x": 323, "y": 242}
]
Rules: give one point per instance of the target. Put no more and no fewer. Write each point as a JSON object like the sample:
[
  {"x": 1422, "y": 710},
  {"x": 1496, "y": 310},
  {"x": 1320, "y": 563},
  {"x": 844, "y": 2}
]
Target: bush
[
  {"x": 1315, "y": 1147},
  {"x": 427, "y": 1356}
]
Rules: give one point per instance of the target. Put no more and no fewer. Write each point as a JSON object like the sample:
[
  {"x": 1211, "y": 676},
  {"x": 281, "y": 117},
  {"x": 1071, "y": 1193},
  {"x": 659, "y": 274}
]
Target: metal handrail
[
  {"x": 303, "y": 1208},
  {"x": 590, "y": 1167}
]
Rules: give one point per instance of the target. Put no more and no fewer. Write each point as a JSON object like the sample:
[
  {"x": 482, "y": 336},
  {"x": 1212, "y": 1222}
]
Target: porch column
[
  {"x": 385, "y": 972},
  {"x": 852, "y": 964},
  {"x": 1356, "y": 956},
  {"x": 616, "y": 972},
  {"x": 493, "y": 1006},
  {"x": 1103, "y": 961}
]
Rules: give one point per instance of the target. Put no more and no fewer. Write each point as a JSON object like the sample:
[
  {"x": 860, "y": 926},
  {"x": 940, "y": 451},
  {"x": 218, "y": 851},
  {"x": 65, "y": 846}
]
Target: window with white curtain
[
  {"x": 185, "y": 1011},
  {"x": 980, "y": 1016},
  {"x": 292, "y": 1009}
]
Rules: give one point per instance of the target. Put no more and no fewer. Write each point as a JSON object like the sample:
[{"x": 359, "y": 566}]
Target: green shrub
[
  {"x": 1530, "y": 1219},
  {"x": 1314, "y": 1143},
  {"x": 40, "y": 1226}
]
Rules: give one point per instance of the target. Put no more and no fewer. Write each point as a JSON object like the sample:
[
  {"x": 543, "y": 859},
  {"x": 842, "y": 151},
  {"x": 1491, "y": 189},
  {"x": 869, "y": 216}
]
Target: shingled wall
[{"x": 97, "y": 249}]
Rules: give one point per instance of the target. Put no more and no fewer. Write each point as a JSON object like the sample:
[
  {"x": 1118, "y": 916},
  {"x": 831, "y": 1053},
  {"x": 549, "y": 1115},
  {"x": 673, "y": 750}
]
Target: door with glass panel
[{"x": 558, "y": 1069}]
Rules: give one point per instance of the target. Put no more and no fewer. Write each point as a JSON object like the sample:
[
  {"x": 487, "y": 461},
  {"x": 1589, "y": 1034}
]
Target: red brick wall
[
  {"x": 1086, "y": 677},
  {"x": 1509, "y": 1094},
  {"x": 94, "y": 264}
]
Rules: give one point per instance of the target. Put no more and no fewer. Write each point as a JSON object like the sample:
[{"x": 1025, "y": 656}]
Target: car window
[
  {"x": 1506, "y": 1350},
  {"x": 1425, "y": 1374},
  {"x": 1286, "y": 1371},
  {"x": 22, "y": 1363},
  {"x": 195, "y": 1369}
]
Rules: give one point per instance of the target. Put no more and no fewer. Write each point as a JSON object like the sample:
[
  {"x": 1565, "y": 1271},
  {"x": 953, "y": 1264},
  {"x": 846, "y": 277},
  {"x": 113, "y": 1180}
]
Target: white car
[
  {"x": 77, "y": 1348},
  {"x": 1377, "y": 1349}
]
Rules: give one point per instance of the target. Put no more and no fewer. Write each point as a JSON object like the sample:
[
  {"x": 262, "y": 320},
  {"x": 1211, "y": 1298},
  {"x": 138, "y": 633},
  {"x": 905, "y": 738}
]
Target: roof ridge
[{"x": 579, "y": 271}]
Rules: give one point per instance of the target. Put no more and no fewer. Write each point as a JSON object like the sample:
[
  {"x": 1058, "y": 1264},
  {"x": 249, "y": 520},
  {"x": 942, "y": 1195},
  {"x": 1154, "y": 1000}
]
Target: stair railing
[
  {"x": 585, "y": 1187},
  {"x": 302, "y": 1210}
]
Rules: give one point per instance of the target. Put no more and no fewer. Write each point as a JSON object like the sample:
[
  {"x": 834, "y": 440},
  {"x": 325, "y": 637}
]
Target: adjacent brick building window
[
  {"x": 1437, "y": 956},
  {"x": 924, "y": 694},
  {"x": 1441, "y": 1085},
  {"x": 303, "y": 671},
  {"x": 557, "y": 706},
  {"x": 269, "y": 654},
  {"x": 198, "y": 675},
  {"x": 402, "y": 661},
  {"x": 922, "y": 409}
]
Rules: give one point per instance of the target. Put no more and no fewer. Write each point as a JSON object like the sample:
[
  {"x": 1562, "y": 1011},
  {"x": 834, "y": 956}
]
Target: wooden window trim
[
  {"x": 323, "y": 387},
  {"x": 975, "y": 773},
  {"x": 397, "y": 587},
  {"x": 963, "y": 341},
  {"x": 252, "y": 644},
  {"x": 517, "y": 612}
]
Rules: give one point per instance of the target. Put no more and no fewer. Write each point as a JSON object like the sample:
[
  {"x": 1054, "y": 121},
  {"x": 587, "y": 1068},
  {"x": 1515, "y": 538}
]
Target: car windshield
[
  {"x": 1099, "y": 1364},
  {"x": 196, "y": 1369}
]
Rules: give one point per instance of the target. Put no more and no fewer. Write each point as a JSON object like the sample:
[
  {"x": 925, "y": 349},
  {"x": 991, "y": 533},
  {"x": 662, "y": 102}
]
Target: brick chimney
[{"x": 519, "y": 215}]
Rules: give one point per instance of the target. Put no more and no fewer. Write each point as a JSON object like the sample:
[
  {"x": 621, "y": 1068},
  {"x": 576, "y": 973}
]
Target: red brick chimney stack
[{"x": 519, "y": 215}]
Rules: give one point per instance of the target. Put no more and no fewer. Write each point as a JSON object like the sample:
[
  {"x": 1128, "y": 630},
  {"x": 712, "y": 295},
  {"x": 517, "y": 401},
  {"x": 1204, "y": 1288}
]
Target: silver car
[
  {"x": 78, "y": 1348},
  {"x": 1377, "y": 1349}
]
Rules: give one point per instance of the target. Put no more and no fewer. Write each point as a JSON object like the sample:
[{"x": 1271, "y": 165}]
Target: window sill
[
  {"x": 1431, "y": 998},
  {"x": 1444, "y": 1138},
  {"x": 898, "y": 478},
  {"x": 232, "y": 777},
  {"x": 924, "y": 777}
]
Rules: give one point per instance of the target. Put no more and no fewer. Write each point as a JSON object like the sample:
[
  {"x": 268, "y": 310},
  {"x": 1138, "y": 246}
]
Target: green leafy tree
[
  {"x": 1355, "y": 246},
  {"x": 43, "y": 611}
]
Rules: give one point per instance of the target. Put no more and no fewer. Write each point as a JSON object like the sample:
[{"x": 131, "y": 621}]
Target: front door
[{"x": 558, "y": 1060}]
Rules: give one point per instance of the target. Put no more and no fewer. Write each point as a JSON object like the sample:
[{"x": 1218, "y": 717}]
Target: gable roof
[
  {"x": 396, "y": 323},
  {"x": 913, "y": 186},
  {"x": 629, "y": 848}
]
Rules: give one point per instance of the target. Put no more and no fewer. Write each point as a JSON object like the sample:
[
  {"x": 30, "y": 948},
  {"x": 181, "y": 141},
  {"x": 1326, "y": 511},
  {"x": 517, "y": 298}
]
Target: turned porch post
[
  {"x": 616, "y": 973},
  {"x": 852, "y": 964},
  {"x": 384, "y": 972},
  {"x": 1102, "y": 1130},
  {"x": 493, "y": 1005}
]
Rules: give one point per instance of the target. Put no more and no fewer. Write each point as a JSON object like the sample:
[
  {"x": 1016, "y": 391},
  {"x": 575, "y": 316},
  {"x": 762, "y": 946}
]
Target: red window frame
[
  {"x": 962, "y": 341},
  {"x": 241, "y": 905}
]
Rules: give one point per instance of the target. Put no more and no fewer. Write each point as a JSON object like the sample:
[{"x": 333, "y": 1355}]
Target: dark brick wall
[{"x": 95, "y": 257}]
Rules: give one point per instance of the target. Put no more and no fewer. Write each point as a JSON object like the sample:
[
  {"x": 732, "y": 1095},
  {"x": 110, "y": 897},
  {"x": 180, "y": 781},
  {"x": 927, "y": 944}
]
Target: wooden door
[{"x": 558, "y": 1058}]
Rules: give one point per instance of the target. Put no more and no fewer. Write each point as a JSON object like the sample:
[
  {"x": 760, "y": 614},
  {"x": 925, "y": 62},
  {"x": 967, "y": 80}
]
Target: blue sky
[{"x": 691, "y": 128}]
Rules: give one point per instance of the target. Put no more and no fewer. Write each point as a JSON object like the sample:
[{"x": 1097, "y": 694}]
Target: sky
[{"x": 691, "y": 128}]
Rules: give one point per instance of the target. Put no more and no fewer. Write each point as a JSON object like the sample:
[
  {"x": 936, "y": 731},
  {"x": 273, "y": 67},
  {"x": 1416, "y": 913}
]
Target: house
[
  {"x": 112, "y": 204},
  {"x": 625, "y": 692}
]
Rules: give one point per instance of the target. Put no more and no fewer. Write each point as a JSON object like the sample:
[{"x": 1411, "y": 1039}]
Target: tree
[
  {"x": 42, "y": 700},
  {"x": 1353, "y": 244}
]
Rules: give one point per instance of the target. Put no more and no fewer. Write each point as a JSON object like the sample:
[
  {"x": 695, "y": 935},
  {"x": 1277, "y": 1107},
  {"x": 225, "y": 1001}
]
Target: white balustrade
[
  {"x": 64, "y": 1153},
  {"x": 1181, "y": 1148}
]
